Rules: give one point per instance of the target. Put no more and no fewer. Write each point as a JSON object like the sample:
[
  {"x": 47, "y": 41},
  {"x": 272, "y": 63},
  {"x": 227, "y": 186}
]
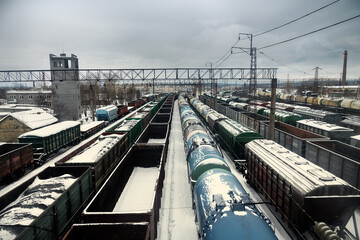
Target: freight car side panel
[
  {"x": 290, "y": 137},
  {"x": 341, "y": 166},
  {"x": 14, "y": 157}
]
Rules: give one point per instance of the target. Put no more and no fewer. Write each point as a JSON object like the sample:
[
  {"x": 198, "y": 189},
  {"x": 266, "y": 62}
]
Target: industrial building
[{"x": 41, "y": 98}]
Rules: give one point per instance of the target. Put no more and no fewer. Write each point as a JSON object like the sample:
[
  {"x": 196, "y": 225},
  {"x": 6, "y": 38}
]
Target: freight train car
[
  {"x": 48, "y": 203},
  {"x": 106, "y": 151},
  {"x": 319, "y": 115},
  {"x": 336, "y": 157},
  {"x": 91, "y": 128},
  {"x": 290, "y": 137},
  {"x": 51, "y": 138},
  {"x": 122, "y": 110},
  {"x": 14, "y": 157},
  {"x": 234, "y": 136},
  {"x": 352, "y": 122},
  {"x": 331, "y": 131},
  {"x": 284, "y": 116},
  {"x": 107, "y": 113},
  {"x": 132, "y": 127},
  {"x": 139, "y": 173},
  {"x": 302, "y": 192},
  {"x": 355, "y": 141}
]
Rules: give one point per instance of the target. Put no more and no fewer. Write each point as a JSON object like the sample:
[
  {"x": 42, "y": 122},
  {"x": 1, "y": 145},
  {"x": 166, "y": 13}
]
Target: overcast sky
[{"x": 179, "y": 33}]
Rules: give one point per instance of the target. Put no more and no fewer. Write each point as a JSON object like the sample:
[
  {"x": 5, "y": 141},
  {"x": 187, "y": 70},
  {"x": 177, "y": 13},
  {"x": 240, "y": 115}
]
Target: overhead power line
[
  {"x": 283, "y": 63},
  {"x": 303, "y": 35},
  {"x": 296, "y": 19},
  {"x": 227, "y": 52},
  {"x": 223, "y": 60}
]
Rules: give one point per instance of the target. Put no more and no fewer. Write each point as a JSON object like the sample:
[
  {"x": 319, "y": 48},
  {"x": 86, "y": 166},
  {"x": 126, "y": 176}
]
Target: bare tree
[
  {"x": 120, "y": 94},
  {"x": 138, "y": 93},
  {"x": 110, "y": 92},
  {"x": 130, "y": 93},
  {"x": 288, "y": 86}
]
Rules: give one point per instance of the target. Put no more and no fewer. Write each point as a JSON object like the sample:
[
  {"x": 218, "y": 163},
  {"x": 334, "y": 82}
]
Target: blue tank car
[
  {"x": 224, "y": 209},
  {"x": 203, "y": 157},
  {"x": 197, "y": 139},
  {"x": 107, "y": 113}
]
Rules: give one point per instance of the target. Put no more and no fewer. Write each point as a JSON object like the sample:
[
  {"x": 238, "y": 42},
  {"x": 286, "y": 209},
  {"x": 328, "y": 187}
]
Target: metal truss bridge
[{"x": 136, "y": 76}]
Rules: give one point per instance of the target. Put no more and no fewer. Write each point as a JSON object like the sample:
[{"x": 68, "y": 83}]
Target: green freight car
[
  {"x": 54, "y": 220},
  {"x": 284, "y": 116},
  {"x": 132, "y": 127},
  {"x": 51, "y": 138},
  {"x": 234, "y": 136}
]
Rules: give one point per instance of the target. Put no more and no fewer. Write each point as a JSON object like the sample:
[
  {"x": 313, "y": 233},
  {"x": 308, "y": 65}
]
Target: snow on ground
[{"x": 177, "y": 218}]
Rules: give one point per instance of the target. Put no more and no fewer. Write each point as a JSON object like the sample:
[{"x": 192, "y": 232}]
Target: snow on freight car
[
  {"x": 155, "y": 133},
  {"x": 52, "y": 217},
  {"x": 352, "y": 122},
  {"x": 301, "y": 191},
  {"x": 51, "y": 138},
  {"x": 226, "y": 211},
  {"x": 93, "y": 231},
  {"x": 144, "y": 205},
  {"x": 319, "y": 115},
  {"x": 355, "y": 141},
  {"x": 101, "y": 155},
  {"x": 331, "y": 131},
  {"x": 91, "y": 128},
  {"x": 31, "y": 203}
]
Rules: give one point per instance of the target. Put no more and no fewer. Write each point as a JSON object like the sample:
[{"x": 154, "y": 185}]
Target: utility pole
[
  {"x": 252, "y": 52},
  {"x": 272, "y": 109},
  {"x": 213, "y": 85}
]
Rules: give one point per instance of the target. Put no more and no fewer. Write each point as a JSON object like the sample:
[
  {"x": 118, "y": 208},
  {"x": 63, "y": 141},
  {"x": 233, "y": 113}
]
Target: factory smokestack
[{"x": 343, "y": 80}]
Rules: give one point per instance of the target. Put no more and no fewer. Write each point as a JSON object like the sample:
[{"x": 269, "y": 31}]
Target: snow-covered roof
[
  {"x": 356, "y": 137},
  {"x": 34, "y": 118},
  {"x": 15, "y": 107},
  {"x": 51, "y": 130},
  {"x": 3, "y": 114},
  {"x": 323, "y": 125},
  {"x": 29, "y": 91}
]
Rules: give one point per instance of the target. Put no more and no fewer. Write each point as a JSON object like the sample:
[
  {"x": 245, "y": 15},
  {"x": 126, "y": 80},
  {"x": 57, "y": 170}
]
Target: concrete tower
[{"x": 65, "y": 86}]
